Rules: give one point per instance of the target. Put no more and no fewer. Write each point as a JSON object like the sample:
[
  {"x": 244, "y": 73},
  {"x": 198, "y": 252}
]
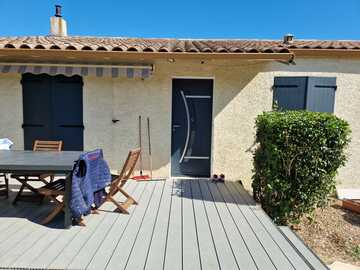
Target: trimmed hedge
[{"x": 296, "y": 161}]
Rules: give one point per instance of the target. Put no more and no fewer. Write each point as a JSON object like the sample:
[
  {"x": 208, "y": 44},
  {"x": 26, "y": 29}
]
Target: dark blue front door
[
  {"x": 191, "y": 127},
  {"x": 53, "y": 110}
]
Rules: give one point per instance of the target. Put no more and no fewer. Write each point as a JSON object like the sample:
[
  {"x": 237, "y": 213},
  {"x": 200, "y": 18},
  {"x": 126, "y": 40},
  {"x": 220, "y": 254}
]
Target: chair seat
[{"x": 53, "y": 188}]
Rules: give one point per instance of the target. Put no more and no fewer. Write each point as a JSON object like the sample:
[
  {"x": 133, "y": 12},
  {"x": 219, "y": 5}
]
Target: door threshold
[{"x": 189, "y": 177}]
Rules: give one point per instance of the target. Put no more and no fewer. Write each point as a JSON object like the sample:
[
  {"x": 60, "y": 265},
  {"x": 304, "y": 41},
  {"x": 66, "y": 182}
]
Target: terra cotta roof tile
[{"x": 170, "y": 45}]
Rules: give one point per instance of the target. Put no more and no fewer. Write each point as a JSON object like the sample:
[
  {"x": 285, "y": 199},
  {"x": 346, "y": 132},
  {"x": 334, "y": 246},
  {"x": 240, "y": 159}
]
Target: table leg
[
  {"x": 24, "y": 184},
  {"x": 67, "y": 197}
]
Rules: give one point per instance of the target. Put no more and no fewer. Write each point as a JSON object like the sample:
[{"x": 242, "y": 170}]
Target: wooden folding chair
[
  {"x": 55, "y": 146},
  {"x": 47, "y": 145},
  {"x": 4, "y": 187},
  {"x": 53, "y": 191},
  {"x": 24, "y": 179},
  {"x": 118, "y": 181}
]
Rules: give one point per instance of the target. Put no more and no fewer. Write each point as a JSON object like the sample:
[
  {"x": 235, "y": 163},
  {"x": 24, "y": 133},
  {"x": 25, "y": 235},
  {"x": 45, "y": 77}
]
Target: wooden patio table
[{"x": 30, "y": 162}]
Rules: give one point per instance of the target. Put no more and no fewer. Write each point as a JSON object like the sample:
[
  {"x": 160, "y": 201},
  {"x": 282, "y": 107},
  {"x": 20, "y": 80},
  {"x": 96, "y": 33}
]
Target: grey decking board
[
  {"x": 155, "y": 256},
  {"x": 37, "y": 249},
  {"x": 89, "y": 248},
  {"x": 34, "y": 233},
  {"x": 209, "y": 219},
  {"x": 11, "y": 237},
  {"x": 55, "y": 248},
  {"x": 224, "y": 250},
  {"x": 65, "y": 240},
  {"x": 275, "y": 253},
  {"x": 295, "y": 259},
  {"x": 191, "y": 256},
  {"x": 70, "y": 251},
  {"x": 270, "y": 227},
  {"x": 207, "y": 249},
  {"x": 106, "y": 248},
  {"x": 137, "y": 258},
  {"x": 22, "y": 240},
  {"x": 24, "y": 244},
  {"x": 11, "y": 211},
  {"x": 123, "y": 248},
  {"x": 242, "y": 254},
  {"x": 87, "y": 251},
  {"x": 16, "y": 223},
  {"x": 300, "y": 246},
  {"x": 173, "y": 251},
  {"x": 6, "y": 207},
  {"x": 11, "y": 216},
  {"x": 260, "y": 256}
]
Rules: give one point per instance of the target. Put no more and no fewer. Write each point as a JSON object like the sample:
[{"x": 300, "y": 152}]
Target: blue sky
[{"x": 263, "y": 19}]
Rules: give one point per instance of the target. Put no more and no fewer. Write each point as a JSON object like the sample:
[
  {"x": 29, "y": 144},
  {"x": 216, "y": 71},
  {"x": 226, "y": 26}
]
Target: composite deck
[{"x": 178, "y": 224}]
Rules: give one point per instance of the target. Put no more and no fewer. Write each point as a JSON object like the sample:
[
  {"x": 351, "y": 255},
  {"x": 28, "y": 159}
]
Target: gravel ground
[{"x": 333, "y": 233}]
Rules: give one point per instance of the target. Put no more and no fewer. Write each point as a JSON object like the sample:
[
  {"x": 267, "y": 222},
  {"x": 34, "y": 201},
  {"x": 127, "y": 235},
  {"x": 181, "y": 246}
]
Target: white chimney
[{"x": 58, "y": 24}]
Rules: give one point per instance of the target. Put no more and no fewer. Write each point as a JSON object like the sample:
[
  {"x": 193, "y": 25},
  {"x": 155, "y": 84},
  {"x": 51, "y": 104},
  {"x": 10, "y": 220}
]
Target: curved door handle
[
  {"x": 188, "y": 127},
  {"x": 174, "y": 127}
]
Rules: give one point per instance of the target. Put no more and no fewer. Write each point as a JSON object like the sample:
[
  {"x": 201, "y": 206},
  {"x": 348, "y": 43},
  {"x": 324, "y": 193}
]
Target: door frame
[{"x": 212, "y": 121}]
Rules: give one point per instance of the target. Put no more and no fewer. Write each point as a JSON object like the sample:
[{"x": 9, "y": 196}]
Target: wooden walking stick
[
  {"x": 149, "y": 139},
  {"x": 141, "y": 176},
  {"x": 140, "y": 146}
]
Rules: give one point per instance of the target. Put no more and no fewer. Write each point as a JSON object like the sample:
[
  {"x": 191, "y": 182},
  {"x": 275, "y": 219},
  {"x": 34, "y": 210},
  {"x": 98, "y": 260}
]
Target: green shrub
[
  {"x": 296, "y": 161},
  {"x": 354, "y": 252}
]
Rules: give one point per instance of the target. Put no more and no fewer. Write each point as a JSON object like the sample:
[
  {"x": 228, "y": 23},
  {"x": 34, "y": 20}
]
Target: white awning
[{"x": 112, "y": 71}]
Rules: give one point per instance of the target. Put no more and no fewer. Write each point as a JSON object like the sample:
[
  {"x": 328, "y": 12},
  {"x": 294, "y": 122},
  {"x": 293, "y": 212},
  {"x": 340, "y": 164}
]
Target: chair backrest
[
  {"x": 129, "y": 166},
  {"x": 47, "y": 145}
]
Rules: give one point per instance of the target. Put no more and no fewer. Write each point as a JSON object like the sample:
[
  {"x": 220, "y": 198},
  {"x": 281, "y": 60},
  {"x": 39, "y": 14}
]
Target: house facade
[{"x": 201, "y": 96}]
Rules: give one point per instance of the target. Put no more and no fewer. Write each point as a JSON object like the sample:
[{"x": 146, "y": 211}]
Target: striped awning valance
[{"x": 82, "y": 70}]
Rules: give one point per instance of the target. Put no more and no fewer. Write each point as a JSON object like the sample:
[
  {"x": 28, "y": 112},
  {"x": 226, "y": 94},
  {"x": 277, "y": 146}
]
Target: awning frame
[
  {"x": 99, "y": 70},
  {"x": 150, "y": 67}
]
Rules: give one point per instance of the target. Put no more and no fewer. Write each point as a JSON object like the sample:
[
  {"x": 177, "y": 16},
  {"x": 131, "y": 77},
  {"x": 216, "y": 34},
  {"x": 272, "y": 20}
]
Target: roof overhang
[
  {"x": 111, "y": 57},
  {"x": 326, "y": 53}
]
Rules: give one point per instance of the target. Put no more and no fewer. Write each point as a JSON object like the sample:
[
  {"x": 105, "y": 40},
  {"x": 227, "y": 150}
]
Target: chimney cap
[
  {"x": 288, "y": 38},
  {"x": 58, "y": 11}
]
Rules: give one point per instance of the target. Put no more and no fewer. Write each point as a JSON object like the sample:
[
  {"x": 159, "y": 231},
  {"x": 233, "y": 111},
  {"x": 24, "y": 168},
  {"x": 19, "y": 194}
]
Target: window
[{"x": 315, "y": 94}]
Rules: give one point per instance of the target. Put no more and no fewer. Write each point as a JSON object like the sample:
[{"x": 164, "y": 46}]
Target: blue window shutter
[
  {"x": 290, "y": 93},
  {"x": 321, "y": 94}
]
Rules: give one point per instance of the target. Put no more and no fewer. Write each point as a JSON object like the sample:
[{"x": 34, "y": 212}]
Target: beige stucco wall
[
  {"x": 124, "y": 100},
  {"x": 11, "y": 114},
  {"x": 242, "y": 90}
]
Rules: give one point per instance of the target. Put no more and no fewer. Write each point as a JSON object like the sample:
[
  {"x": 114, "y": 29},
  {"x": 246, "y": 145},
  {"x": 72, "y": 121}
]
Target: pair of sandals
[{"x": 218, "y": 178}]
